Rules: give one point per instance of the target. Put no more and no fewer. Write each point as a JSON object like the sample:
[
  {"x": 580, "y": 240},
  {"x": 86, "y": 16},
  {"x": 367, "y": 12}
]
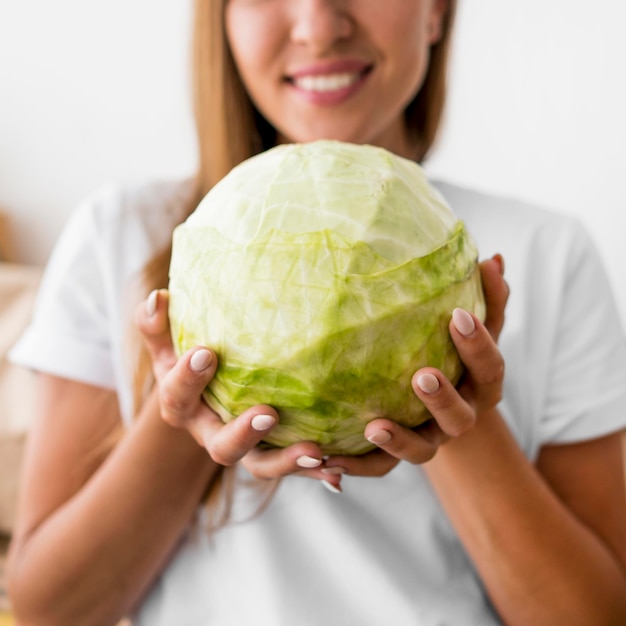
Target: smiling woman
[
  {"x": 510, "y": 498},
  {"x": 313, "y": 69}
]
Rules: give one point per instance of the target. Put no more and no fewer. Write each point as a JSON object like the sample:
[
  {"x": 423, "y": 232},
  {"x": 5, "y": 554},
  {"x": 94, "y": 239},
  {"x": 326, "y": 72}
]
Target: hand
[
  {"x": 454, "y": 410},
  {"x": 180, "y": 383}
]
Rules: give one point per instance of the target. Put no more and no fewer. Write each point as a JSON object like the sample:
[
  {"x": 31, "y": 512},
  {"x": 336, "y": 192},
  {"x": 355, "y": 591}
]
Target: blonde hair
[{"x": 229, "y": 130}]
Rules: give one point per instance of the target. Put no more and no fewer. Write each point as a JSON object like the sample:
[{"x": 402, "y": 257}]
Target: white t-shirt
[{"x": 383, "y": 552}]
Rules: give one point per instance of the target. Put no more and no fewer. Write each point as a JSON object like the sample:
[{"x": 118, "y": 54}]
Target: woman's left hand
[{"x": 455, "y": 410}]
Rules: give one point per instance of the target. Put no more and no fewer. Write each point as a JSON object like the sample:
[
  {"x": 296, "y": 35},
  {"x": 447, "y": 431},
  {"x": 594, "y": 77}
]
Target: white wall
[
  {"x": 94, "y": 92},
  {"x": 538, "y": 111},
  {"x": 90, "y": 92}
]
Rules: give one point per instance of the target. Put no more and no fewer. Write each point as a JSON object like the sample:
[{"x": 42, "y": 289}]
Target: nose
[{"x": 320, "y": 24}]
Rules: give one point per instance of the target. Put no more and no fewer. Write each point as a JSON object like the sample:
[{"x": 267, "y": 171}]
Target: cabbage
[{"x": 323, "y": 275}]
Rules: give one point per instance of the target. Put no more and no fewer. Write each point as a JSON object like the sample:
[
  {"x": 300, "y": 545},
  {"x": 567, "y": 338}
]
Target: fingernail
[
  {"x": 463, "y": 322},
  {"x": 500, "y": 260},
  {"x": 331, "y": 487},
  {"x": 262, "y": 422},
  {"x": 380, "y": 437},
  {"x": 334, "y": 470},
  {"x": 151, "y": 302},
  {"x": 428, "y": 383},
  {"x": 308, "y": 462},
  {"x": 200, "y": 360}
]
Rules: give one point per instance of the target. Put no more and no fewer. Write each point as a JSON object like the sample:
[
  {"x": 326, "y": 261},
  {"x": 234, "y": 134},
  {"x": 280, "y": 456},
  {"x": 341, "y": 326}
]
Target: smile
[{"x": 326, "y": 83}]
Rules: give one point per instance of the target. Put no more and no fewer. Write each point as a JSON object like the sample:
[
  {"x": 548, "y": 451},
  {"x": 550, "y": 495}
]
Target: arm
[
  {"x": 96, "y": 527},
  {"x": 548, "y": 542},
  {"x": 91, "y": 539}
]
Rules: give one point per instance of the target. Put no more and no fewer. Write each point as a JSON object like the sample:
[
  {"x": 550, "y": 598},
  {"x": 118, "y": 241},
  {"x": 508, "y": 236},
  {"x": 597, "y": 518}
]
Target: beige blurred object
[
  {"x": 18, "y": 286},
  {"x": 624, "y": 451},
  {"x": 6, "y": 249}
]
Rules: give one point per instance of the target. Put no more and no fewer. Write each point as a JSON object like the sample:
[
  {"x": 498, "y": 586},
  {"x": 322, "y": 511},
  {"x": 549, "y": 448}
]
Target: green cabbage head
[{"x": 323, "y": 275}]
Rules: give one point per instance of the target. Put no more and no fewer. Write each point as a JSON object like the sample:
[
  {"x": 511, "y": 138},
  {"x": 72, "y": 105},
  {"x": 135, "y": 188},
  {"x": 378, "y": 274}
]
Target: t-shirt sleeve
[
  {"x": 586, "y": 391},
  {"x": 68, "y": 335}
]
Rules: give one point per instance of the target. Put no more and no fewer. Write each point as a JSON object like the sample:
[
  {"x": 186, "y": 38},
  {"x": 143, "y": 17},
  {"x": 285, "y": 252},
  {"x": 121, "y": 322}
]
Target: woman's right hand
[{"x": 180, "y": 383}]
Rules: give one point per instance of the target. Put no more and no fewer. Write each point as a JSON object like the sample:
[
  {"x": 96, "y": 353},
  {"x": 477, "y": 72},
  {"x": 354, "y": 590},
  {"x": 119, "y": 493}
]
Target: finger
[
  {"x": 451, "y": 412},
  {"x": 180, "y": 390},
  {"x": 152, "y": 321},
  {"x": 480, "y": 355},
  {"x": 496, "y": 292},
  {"x": 401, "y": 443},
  {"x": 375, "y": 463},
  {"x": 304, "y": 458},
  {"x": 231, "y": 442}
]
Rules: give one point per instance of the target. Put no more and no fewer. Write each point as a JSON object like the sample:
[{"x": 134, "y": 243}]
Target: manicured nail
[
  {"x": 380, "y": 437},
  {"x": 428, "y": 383},
  {"x": 308, "y": 462},
  {"x": 262, "y": 422},
  {"x": 331, "y": 487},
  {"x": 200, "y": 360},
  {"x": 500, "y": 260},
  {"x": 334, "y": 470},
  {"x": 463, "y": 321},
  {"x": 151, "y": 302}
]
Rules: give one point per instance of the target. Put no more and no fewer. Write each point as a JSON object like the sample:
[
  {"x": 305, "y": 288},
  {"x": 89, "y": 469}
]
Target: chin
[{"x": 332, "y": 134}]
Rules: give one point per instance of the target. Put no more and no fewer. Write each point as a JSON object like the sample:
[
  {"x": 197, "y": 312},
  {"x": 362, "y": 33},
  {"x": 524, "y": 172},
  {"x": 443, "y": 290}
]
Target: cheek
[
  {"x": 410, "y": 47},
  {"x": 251, "y": 41}
]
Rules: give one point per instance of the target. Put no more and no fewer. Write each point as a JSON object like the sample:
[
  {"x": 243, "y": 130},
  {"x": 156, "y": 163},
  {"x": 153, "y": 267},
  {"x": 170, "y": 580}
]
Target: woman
[{"x": 509, "y": 510}]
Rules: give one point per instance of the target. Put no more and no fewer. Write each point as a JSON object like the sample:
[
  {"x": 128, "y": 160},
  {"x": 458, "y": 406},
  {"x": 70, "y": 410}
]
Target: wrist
[
  {"x": 177, "y": 444},
  {"x": 486, "y": 445}
]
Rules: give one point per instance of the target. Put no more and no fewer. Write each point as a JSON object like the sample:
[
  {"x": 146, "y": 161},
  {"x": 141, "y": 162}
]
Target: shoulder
[
  {"x": 121, "y": 226},
  {"x": 541, "y": 246},
  {"x": 507, "y": 218},
  {"x": 107, "y": 242},
  {"x": 130, "y": 209},
  {"x": 86, "y": 296}
]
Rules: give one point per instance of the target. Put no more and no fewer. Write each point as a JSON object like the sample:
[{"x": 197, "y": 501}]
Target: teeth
[{"x": 329, "y": 82}]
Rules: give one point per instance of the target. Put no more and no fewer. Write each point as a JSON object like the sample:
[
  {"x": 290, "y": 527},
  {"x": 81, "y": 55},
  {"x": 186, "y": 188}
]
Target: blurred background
[{"x": 95, "y": 92}]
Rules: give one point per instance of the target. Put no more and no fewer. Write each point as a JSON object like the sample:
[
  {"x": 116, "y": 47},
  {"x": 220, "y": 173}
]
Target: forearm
[
  {"x": 540, "y": 565},
  {"x": 94, "y": 557}
]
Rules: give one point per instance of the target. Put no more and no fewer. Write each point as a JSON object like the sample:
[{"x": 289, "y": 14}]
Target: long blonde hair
[{"x": 229, "y": 129}]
